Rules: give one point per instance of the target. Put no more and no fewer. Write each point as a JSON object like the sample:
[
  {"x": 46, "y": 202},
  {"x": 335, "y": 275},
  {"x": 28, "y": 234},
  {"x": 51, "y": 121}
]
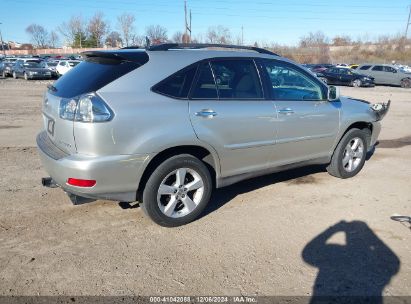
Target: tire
[
  {"x": 186, "y": 205},
  {"x": 25, "y": 76},
  {"x": 15, "y": 75},
  {"x": 356, "y": 83},
  {"x": 345, "y": 163},
  {"x": 406, "y": 83}
]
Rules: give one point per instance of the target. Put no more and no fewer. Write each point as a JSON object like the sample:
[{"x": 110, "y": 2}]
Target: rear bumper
[{"x": 117, "y": 176}]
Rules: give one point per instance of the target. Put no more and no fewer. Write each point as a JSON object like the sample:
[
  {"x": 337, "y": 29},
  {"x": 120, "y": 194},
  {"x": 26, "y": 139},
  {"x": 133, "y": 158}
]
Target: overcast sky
[{"x": 283, "y": 22}]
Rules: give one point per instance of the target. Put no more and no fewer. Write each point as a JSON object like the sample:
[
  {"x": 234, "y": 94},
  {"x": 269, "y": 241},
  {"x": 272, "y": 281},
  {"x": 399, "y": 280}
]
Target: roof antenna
[{"x": 148, "y": 43}]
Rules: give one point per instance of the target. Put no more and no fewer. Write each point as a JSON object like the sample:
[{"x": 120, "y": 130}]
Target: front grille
[{"x": 46, "y": 145}]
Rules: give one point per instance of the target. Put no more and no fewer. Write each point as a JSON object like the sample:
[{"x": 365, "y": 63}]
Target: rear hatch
[{"x": 96, "y": 71}]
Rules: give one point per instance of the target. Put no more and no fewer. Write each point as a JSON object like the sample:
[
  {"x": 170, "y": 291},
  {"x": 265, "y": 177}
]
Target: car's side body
[
  {"x": 64, "y": 66},
  {"x": 30, "y": 69},
  {"x": 385, "y": 73},
  {"x": 345, "y": 76}
]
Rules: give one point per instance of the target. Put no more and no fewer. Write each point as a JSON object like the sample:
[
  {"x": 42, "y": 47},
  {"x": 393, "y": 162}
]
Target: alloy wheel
[
  {"x": 180, "y": 192},
  {"x": 353, "y": 154}
]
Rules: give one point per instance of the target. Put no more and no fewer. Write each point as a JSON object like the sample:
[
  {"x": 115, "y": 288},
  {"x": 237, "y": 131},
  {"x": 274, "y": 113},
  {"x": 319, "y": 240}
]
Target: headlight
[
  {"x": 32, "y": 73},
  {"x": 88, "y": 107}
]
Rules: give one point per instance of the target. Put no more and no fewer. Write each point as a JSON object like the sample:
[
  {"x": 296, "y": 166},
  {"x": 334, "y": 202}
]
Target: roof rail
[{"x": 168, "y": 46}]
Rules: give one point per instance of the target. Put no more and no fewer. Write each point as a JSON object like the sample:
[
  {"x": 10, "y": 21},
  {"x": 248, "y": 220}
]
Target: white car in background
[{"x": 65, "y": 65}]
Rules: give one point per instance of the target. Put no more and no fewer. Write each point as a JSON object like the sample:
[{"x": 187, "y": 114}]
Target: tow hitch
[{"x": 381, "y": 109}]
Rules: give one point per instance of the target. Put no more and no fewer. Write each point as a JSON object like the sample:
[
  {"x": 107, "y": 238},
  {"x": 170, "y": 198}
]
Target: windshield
[
  {"x": 32, "y": 64},
  {"x": 51, "y": 64}
]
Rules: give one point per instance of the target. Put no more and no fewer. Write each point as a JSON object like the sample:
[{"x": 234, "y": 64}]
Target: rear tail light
[
  {"x": 86, "y": 183},
  {"x": 85, "y": 108}
]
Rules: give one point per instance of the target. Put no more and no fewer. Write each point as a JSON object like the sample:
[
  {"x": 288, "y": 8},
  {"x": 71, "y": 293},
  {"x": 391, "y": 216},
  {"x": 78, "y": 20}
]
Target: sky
[{"x": 275, "y": 21}]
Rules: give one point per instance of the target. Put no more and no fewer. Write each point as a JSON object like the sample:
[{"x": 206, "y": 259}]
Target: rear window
[
  {"x": 377, "y": 68},
  {"x": 96, "y": 72},
  {"x": 178, "y": 85}
]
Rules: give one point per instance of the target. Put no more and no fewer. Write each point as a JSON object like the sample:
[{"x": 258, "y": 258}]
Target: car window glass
[
  {"x": 365, "y": 67},
  {"x": 377, "y": 68},
  {"x": 288, "y": 83},
  {"x": 177, "y": 85},
  {"x": 205, "y": 87},
  {"x": 389, "y": 69},
  {"x": 236, "y": 79}
]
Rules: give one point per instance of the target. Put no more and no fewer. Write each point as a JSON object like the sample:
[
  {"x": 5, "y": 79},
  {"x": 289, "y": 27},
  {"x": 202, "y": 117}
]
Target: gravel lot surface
[{"x": 280, "y": 234}]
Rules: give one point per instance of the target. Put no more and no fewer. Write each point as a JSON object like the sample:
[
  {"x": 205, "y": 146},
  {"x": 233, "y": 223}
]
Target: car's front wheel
[
  {"x": 356, "y": 83},
  {"x": 177, "y": 191},
  {"x": 406, "y": 83},
  {"x": 349, "y": 155}
]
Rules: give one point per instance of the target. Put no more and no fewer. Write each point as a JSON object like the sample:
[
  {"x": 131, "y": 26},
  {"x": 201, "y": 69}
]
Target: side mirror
[{"x": 333, "y": 93}]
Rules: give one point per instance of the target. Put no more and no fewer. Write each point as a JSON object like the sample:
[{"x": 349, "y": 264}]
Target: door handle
[
  {"x": 206, "y": 113},
  {"x": 285, "y": 111}
]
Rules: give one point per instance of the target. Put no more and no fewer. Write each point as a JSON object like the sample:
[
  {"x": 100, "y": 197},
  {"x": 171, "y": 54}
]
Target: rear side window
[
  {"x": 365, "y": 67},
  {"x": 177, "y": 85},
  {"x": 205, "y": 87},
  {"x": 237, "y": 79},
  {"x": 94, "y": 73},
  {"x": 377, "y": 68}
]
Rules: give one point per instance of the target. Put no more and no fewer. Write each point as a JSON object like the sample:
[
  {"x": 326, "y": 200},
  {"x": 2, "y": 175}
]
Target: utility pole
[
  {"x": 408, "y": 23},
  {"x": 2, "y": 44},
  {"x": 242, "y": 35},
  {"x": 187, "y": 31}
]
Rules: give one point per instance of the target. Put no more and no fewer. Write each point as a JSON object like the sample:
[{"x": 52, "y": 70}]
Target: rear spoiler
[
  {"x": 108, "y": 57},
  {"x": 380, "y": 109}
]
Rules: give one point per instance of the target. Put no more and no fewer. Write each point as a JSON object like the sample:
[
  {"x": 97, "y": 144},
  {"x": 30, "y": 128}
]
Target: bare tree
[
  {"x": 97, "y": 28},
  {"x": 114, "y": 40},
  {"x": 53, "y": 39},
  {"x": 178, "y": 37},
  {"x": 39, "y": 35},
  {"x": 157, "y": 34},
  {"x": 318, "y": 43},
  {"x": 126, "y": 25},
  {"x": 73, "y": 31},
  {"x": 218, "y": 34},
  {"x": 138, "y": 40}
]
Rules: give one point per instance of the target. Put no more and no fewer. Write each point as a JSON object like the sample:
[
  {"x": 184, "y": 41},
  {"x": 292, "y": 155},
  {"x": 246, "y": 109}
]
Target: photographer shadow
[{"x": 355, "y": 272}]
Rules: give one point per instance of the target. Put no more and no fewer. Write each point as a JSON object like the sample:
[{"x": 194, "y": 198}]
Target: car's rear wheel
[
  {"x": 349, "y": 155},
  {"x": 406, "y": 83},
  {"x": 356, "y": 83},
  {"x": 177, "y": 191}
]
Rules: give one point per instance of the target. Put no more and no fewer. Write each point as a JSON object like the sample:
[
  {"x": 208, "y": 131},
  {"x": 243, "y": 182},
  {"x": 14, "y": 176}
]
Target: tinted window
[
  {"x": 177, "y": 85},
  {"x": 377, "y": 68},
  {"x": 389, "y": 69},
  {"x": 205, "y": 87},
  {"x": 237, "y": 79},
  {"x": 289, "y": 83},
  {"x": 94, "y": 73},
  {"x": 365, "y": 67}
]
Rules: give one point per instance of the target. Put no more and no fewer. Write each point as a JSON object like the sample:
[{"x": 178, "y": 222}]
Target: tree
[
  {"x": 39, "y": 35},
  {"x": 319, "y": 46},
  {"x": 97, "y": 28},
  {"x": 74, "y": 31},
  {"x": 157, "y": 34},
  {"x": 126, "y": 25},
  {"x": 178, "y": 37},
  {"x": 341, "y": 40},
  {"x": 138, "y": 40},
  {"x": 218, "y": 34},
  {"x": 114, "y": 40},
  {"x": 53, "y": 39}
]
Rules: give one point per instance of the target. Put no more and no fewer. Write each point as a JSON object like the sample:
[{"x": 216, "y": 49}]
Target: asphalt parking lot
[{"x": 294, "y": 233}]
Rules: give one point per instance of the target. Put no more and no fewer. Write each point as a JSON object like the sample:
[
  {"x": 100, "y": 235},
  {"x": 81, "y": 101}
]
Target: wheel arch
[
  {"x": 358, "y": 125},
  {"x": 210, "y": 159}
]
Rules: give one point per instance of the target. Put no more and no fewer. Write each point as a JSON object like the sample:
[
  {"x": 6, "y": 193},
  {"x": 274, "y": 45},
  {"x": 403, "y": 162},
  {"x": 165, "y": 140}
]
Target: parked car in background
[
  {"x": 65, "y": 65},
  {"x": 353, "y": 66},
  {"x": 7, "y": 67},
  {"x": 387, "y": 74},
  {"x": 30, "y": 69},
  {"x": 51, "y": 66},
  {"x": 316, "y": 68},
  {"x": 345, "y": 76},
  {"x": 156, "y": 125}
]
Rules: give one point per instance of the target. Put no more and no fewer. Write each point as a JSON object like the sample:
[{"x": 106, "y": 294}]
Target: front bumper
[
  {"x": 37, "y": 76},
  {"x": 117, "y": 176}
]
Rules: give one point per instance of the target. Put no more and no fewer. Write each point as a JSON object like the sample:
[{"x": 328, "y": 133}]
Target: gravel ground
[{"x": 301, "y": 232}]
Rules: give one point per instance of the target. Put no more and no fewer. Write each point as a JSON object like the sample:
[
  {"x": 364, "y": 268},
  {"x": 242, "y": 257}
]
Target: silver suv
[
  {"x": 387, "y": 74},
  {"x": 167, "y": 124}
]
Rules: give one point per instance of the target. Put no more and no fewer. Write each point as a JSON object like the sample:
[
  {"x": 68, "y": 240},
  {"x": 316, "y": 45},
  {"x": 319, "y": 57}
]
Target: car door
[
  {"x": 378, "y": 74},
  {"x": 332, "y": 76},
  {"x": 345, "y": 76},
  {"x": 228, "y": 111},
  {"x": 390, "y": 75},
  {"x": 307, "y": 123}
]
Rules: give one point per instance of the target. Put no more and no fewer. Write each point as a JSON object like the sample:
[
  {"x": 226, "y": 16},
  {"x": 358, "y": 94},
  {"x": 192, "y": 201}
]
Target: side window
[
  {"x": 389, "y": 69},
  {"x": 178, "y": 84},
  {"x": 205, "y": 87},
  {"x": 289, "y": 83},
  {"x": 365, "y": 67},
  {"x": 377, "y": 68},
  {"x": 237, "y": 79}
]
